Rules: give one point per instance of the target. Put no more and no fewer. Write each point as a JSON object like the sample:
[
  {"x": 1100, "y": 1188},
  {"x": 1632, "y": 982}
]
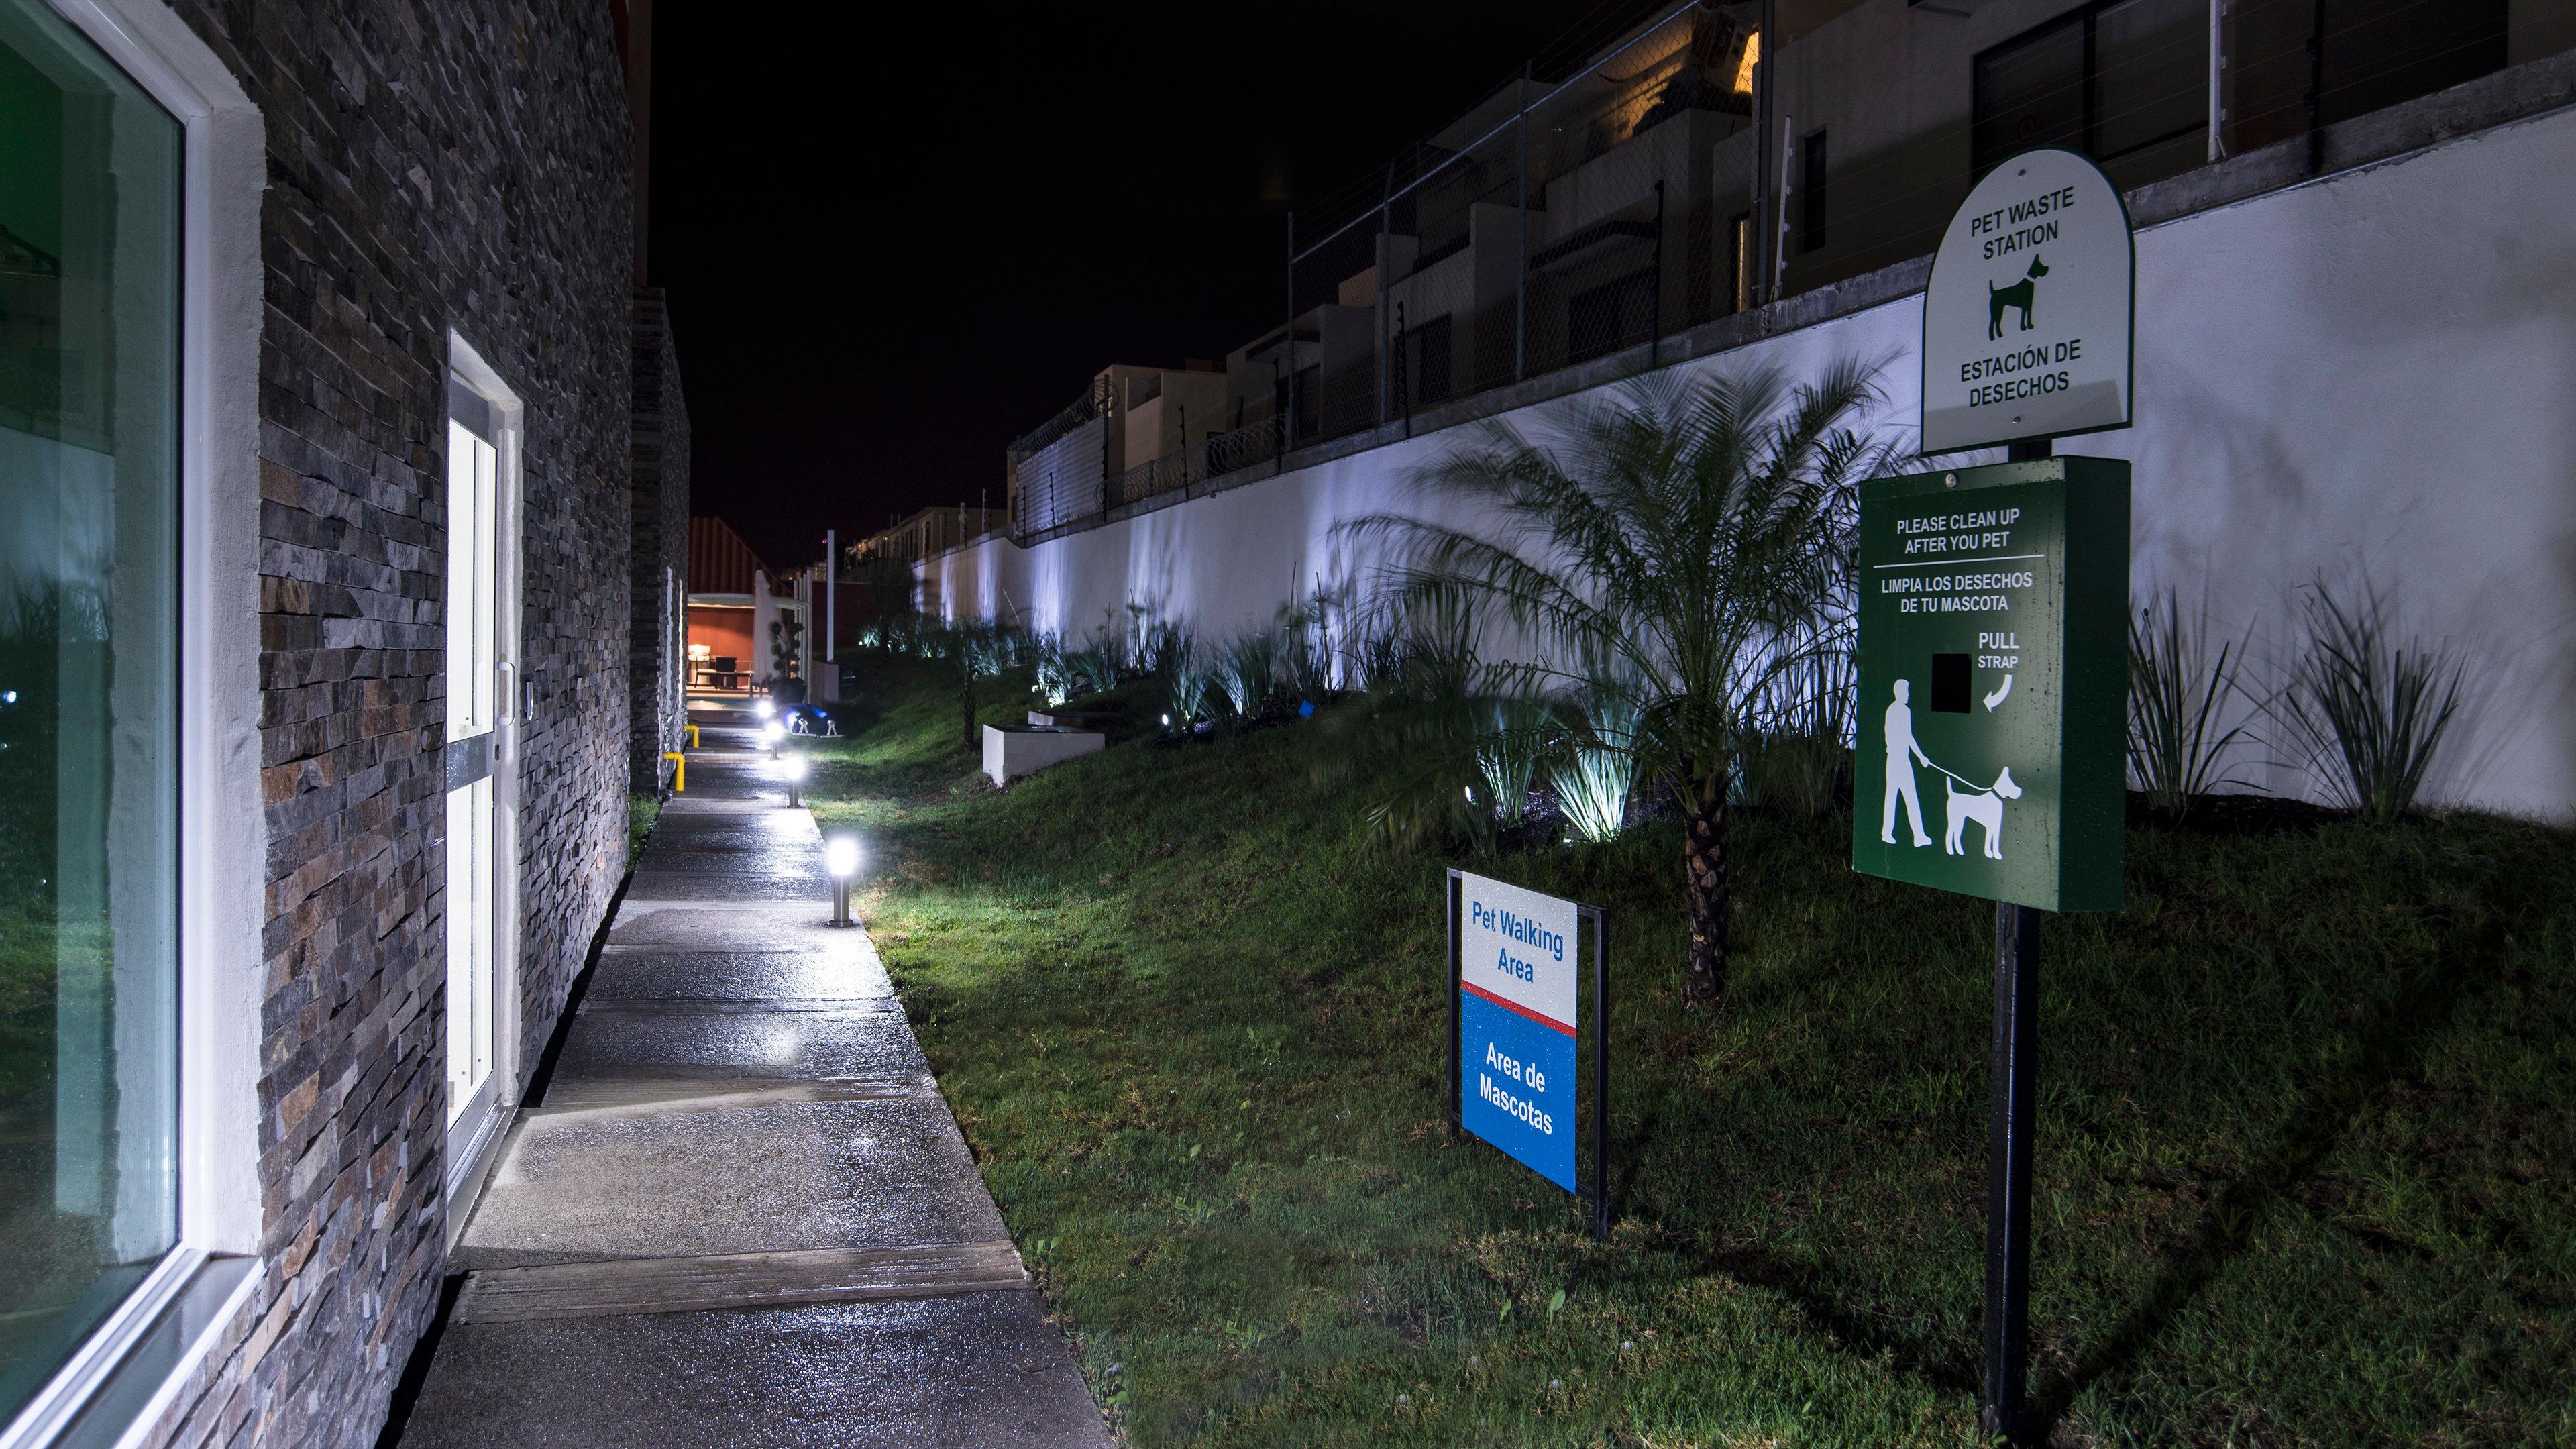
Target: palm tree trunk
[
  {"x": 1704, "y": 862},
  {"x": 966, "y": 699}
]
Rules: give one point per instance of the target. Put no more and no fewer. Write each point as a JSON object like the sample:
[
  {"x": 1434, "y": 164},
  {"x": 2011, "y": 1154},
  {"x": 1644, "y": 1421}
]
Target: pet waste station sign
[
  {"x": 1991, "y": 749},
  {"x": 2029, "y": 315},
  {"x": 1515, "y": 963}
]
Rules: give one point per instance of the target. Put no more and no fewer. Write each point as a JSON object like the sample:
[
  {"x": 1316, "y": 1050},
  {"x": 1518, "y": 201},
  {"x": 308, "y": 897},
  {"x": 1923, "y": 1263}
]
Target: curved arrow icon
[{"x": 1997, "y": 697}]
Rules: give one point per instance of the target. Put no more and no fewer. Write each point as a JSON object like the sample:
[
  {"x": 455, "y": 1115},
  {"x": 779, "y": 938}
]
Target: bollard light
[
  {"x": 841, "y": 862},
  {"x": 776, "y": 734},
  {"x": 763, "y": 707},
  {"x": 794, "y": 768}
]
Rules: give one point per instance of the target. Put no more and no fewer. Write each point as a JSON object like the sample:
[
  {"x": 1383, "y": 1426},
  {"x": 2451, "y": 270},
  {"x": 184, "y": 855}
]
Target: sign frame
[
  {"x": 1596, "y": 1193},
  {"x": 1923, "y": 346},
  {"x": 2048, "y": 580}
]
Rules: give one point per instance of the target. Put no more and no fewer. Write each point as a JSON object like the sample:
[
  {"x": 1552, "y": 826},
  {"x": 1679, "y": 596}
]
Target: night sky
[{"x": 889, "y": 254}]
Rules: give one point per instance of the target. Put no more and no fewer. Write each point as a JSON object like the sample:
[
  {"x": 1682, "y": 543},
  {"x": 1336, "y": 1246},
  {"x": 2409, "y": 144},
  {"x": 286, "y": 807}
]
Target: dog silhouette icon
[
  {"x": 1986, "y": 807},
  {"x": 2016, "y": 295}
]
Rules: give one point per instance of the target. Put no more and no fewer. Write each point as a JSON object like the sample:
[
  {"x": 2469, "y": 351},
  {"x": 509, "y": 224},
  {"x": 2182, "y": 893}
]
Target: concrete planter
[{"x": 1015, "y": 751}]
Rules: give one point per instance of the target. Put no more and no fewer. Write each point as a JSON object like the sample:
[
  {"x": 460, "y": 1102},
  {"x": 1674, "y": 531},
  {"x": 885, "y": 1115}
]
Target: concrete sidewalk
[{"x": 741, "y": 1215}]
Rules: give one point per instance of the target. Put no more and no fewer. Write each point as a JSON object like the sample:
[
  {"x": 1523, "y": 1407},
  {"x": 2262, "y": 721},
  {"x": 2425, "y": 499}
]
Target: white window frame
[{"x": 126, "y": 1376}]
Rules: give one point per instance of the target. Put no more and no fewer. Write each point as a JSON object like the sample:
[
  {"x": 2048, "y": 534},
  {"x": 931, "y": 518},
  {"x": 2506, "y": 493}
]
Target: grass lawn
[{"x": 2307, "y": 1171}]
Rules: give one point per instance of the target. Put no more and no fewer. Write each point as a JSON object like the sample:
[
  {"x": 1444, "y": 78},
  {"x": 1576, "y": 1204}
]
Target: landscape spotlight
[
  {"x": 794, "y": 767},
  {"x": 841, "y": 861}
]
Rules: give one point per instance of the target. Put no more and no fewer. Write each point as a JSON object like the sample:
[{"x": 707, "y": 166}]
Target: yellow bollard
[
  {"x": 693, "y": 735},
  {"x": 679, "y": 771}
]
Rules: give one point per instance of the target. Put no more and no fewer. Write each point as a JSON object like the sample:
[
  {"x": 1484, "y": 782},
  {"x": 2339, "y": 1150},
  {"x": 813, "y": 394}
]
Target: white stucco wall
[{"x": 2368, "y": 377}]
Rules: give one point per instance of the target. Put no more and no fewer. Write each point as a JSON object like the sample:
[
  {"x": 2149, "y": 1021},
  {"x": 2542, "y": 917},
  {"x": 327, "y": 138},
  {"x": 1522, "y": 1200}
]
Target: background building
[
  {"x": 730, "y": 608},
  {"x": 2348, "y": 362}
]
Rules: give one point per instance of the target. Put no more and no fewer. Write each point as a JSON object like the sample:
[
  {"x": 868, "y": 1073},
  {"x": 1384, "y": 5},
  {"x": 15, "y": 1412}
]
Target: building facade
[
  {"x": 657, "y": 678},
  {"x": 321, "y": 457},
  {"x": 1718, "y": 158}
]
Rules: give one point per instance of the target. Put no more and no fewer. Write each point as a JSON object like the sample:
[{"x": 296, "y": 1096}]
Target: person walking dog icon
[{"x": 1902, "y": 752}]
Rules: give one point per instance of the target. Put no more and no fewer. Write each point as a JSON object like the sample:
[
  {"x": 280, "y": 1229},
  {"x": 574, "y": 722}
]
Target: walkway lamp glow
[
  {"x": 763, "y": 707},
  {"x": 794, "y": 768},
  {"x": 776, "y": 734},
  {"x": 841, "y": 862}
]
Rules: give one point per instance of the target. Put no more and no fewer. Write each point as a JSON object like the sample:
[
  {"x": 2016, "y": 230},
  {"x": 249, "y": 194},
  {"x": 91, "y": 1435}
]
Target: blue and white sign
[{"x": 1516, "y": 966}]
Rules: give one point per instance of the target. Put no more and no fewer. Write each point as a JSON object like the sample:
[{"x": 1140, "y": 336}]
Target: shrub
[
  {"x": 1055, "y": 675},
  {"x": 1248, "y": 672},
  {"x": 1800, "y": 760},
  {"x": 1188, "y": 675},
  {"x": 1094, "y": 669},
  {"x": 1594, "y": 774},
  {"x": 2179, "y": 696},
  {"x": 1519, "y": 737},
  {"x": 2368, "y": 713}
]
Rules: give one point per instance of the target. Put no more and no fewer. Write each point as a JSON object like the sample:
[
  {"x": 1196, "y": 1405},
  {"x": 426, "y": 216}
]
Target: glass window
[
  {"x": 89, "y": 251},
  {"x": 2151, "y": 74},
  {"x": 1811, "y": 161},
  {"x": 2374, "y": 53},
  {"x": 2030, "y": 92},
  {"x": 2113, "y": 80}
]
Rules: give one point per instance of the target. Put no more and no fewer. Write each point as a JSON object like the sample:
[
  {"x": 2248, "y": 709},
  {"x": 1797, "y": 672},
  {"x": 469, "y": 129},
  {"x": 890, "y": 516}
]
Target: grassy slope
[{"x": 2307, "y": 1173}]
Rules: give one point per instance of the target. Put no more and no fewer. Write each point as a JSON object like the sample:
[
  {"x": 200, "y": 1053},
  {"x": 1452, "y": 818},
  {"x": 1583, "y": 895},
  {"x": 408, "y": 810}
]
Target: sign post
[
  {"x": 1513, "y": 1064},
  {"x": 1993, "y": 636}
]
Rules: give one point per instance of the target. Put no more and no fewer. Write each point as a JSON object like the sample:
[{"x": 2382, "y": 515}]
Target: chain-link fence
[{"x": 1642, "y": 183}]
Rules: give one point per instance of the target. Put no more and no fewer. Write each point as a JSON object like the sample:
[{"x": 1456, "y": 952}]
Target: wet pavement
[{"x": 741, "y": 1214}]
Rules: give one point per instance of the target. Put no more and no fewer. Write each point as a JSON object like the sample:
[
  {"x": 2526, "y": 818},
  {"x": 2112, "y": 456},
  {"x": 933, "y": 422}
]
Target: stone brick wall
[
  {"x": 433, "y": 164},
  {"x": 658, "y": 519}
]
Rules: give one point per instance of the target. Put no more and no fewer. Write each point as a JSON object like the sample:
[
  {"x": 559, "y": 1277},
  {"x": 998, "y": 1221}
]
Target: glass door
[{"x": 479, "y": 664}]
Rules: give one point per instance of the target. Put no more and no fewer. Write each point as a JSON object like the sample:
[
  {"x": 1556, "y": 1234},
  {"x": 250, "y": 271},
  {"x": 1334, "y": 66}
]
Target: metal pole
[
  {"x": 1762, "y": 151},
  {"x": 831, "y": 594},
  {"x": 2217, "y": 80},
  {"x": 1520, "y": 294},
  {"x": 1600, "y": 1081},
  {"x": 1288, "y": 430},
  {"x": 1385, "y": 273},
  {"x": 1655, "y": 348},
  {"x": 1780, "y": 205},
  {"x": 2011, "y": 1126},
  {"x": 2008, "y": 1151},
  {"x": 1449, "y": 988}
]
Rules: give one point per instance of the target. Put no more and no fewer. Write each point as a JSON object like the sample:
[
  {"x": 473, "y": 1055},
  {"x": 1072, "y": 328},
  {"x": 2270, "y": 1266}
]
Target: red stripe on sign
[{"x": 1514, "y": 1007}]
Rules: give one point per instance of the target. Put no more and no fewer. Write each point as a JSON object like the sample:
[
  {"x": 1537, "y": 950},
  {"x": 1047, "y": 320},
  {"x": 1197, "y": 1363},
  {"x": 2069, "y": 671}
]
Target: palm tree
[
  {"x": 977, "y": 649},
  {"x": 1687, "y": 542}
]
